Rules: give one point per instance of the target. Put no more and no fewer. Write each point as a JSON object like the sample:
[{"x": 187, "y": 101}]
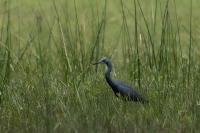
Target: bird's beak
[
  {"x": 96, "y": 63},
  {"x": 99, "y": 62}
]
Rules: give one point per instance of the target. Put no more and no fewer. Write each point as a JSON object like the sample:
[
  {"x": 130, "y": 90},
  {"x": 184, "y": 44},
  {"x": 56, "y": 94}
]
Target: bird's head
[{"x": 103, "y": 60}]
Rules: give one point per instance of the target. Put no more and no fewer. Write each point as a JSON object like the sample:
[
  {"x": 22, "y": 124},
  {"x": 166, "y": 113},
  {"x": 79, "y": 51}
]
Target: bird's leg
[{"x": 116, "y": 94}]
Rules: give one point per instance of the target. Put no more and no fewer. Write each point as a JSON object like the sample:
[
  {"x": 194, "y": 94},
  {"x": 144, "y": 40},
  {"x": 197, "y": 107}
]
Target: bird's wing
[
  {"x": 126, "y": 89},
  {"x": 123, "y": 87}
]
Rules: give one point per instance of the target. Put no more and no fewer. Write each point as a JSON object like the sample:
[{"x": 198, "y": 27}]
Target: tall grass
[
  {"x": 47, "y": 82},
  {"x": 6, "y": 54}
]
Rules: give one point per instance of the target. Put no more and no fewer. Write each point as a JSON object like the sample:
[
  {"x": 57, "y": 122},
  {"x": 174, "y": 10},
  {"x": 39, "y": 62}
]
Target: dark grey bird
[{"x": 118, "y": 87}]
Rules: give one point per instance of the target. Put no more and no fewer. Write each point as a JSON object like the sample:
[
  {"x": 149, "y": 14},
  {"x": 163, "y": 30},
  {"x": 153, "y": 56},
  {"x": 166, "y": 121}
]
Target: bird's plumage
[{"x": 126, "y": 91}]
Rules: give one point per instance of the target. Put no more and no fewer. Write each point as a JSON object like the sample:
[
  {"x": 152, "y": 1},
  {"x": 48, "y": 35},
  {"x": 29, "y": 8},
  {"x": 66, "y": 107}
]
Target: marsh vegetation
[{"x": 47, "y": 82}]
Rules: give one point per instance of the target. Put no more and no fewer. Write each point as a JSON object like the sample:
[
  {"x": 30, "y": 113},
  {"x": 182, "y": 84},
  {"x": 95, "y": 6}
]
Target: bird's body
[
  {"x": 126, "y": 91},
  {"x": 118, "y": 87}
]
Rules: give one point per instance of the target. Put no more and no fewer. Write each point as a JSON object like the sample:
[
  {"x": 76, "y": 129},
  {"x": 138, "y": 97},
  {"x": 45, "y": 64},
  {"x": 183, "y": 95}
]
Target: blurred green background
[{"x": 47, "y": 82}]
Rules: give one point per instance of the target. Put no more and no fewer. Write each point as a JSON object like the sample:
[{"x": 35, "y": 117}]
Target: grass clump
[{"x": 47, "y": 82}]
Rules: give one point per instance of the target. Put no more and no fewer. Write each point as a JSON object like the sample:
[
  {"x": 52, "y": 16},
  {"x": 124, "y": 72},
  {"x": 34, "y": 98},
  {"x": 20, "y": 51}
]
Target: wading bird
[{"x": 118, "y": 87}]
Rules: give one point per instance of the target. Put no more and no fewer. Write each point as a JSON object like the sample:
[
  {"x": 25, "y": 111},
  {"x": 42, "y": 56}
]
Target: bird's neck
[{"x": 108, "y": 73}]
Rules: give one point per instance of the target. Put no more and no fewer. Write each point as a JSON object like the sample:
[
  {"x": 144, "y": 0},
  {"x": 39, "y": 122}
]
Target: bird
[{"x": 126, "y": 91}]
